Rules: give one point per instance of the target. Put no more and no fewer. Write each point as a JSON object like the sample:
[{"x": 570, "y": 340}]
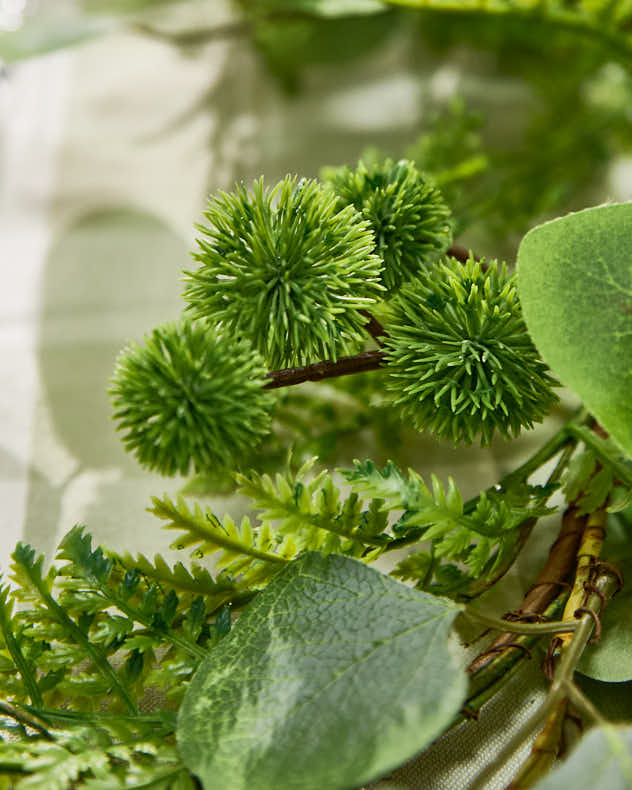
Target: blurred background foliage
[
  {"x": 547, "y": 145},
  {"x": 519, "y": 111}
]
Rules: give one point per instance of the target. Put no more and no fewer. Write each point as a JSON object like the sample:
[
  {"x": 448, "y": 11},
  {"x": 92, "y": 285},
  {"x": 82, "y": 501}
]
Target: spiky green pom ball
[
  {"x": 187, "y": 398},
  {"x": 460, "y": 361},
  {"x": 286, "y": 269},
  {"x": 409, "y": 218}
]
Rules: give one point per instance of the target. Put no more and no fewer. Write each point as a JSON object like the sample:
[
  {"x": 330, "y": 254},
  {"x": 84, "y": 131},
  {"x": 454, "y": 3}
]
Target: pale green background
[{"x": 106, "y": 155}]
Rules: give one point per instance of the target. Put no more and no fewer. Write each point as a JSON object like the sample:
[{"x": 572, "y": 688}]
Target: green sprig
[
  {"x": 460, "y": 361},
  {"x": 407, "y": 214},
  {"x": 189, "y": 397},
  {"x": 287, "y": 269}
]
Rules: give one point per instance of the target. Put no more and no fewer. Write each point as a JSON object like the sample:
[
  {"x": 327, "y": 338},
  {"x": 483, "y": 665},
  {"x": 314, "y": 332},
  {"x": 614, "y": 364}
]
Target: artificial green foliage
[
  {"x": 286, "y": 269},
  {"x": 408, "y": 216},
  {"x": 316, "y": 515},
  {"x": 460, "y": 362},
  {"x": 255, "y": 555},
  {"x": 576, "y": 282},
  {"x": 464, "y": 542},
  {"x": 610, "y": 658},
  {"x": 604, "y": 21},
  {"x": 302, "y": 723},
  {"x": 603, "y": 759},
  {"x": 89, "y": 630},
  {"x": 88, "y": 639},
  {"x": 88, "y": 758},
  {"x": 187, "y": 399},
  {"x": 452, "y": 151}
]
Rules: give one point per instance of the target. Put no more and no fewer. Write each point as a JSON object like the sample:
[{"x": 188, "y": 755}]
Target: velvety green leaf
[
  {"x": 575, "y": 284},
  {"x": 603, "y": 759},
  {"x": 334, "y": 675}
]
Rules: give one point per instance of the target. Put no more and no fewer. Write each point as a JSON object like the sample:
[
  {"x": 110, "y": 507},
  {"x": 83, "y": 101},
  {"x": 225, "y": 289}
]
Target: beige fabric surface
[{"x": 106, "y": 155}]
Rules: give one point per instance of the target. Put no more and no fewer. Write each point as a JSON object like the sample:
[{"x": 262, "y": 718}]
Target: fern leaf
[
  {"x": 27, "y": 568},
  {"x": 310, "y": 509},
  {"x": 194, "y": 580},
  {"x": 12, "y": 643},
  {"x": 155, "y": 612},
  {"x": 254, "y": 557}
]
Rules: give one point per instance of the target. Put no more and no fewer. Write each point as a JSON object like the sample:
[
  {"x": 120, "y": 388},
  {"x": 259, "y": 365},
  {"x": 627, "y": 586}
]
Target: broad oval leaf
[
  {"x": 334, "y": 675},
  {"x": 610, "y": 659},
  {"x": 575, "y": 285},
  {"x": 603, "y": 760}
]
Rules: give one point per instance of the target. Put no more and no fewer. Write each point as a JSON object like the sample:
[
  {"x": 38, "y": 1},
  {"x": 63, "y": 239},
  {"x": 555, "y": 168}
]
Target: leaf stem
[
  {"x": 28, "y": 676},
  {"x": 25, "y": 717},
  {"x": 604, "y": 587},
  {"x": 550, "y": 581},
  {"x": 583, "y": 704},
  {"x": 530, "y": 629}
]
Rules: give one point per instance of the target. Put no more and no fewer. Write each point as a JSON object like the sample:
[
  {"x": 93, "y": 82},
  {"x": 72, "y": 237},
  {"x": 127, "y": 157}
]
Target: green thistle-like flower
[
  {"x": 286, "y": 269},
  {"x": 460, "y": 361},
  {"x": 189, "y": 398},
  {"x": 408, "y": 216}
]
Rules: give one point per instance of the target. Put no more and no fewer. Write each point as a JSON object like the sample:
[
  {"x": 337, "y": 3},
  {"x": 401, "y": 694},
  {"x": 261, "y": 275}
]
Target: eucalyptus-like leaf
[
  {"x": 334, "y": 675},
  {"x": 575, "y": 285},
  {"x": 603, "y": 759},
  {"x": 610, "y": 659}
]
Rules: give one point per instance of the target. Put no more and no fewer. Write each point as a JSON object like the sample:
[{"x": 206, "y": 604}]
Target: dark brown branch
[
  {"x": 359, "y": 363},
  {"x": 374, "y": 328},
  {"x": 552, "y": 578},
  {"x": 458, "y": 252}
]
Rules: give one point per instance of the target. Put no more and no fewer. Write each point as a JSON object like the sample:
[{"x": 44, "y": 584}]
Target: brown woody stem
[
  {"x": 553, "y": 577},
  {"x": 359, "y": 363}
]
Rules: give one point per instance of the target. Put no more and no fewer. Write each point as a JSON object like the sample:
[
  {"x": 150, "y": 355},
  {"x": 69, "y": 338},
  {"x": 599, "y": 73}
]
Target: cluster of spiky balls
[{"x": 285, "y": 277}]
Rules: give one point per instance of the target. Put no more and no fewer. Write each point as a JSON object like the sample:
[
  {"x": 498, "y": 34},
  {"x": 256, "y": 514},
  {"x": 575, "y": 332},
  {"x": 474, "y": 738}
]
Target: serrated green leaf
[
  {"x": 603, "y": 759},
  {"x": 575, "y": 284},
  {"x": 297, "y": 695}
]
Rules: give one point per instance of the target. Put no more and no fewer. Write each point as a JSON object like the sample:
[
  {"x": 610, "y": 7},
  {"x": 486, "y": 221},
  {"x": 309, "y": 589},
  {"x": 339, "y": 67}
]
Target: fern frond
[
  {"x": 475, "y": 537},
  {"x": 16, "y": 660},
  {"x": 192, "y": 581},
  {"x": 314, "y": 513},
  {"x": 86, "y": 758},
  {"x": 254, "y": 556},
  {"x": 27, "y": 572},
  {"x": 155, "y": 611}
]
